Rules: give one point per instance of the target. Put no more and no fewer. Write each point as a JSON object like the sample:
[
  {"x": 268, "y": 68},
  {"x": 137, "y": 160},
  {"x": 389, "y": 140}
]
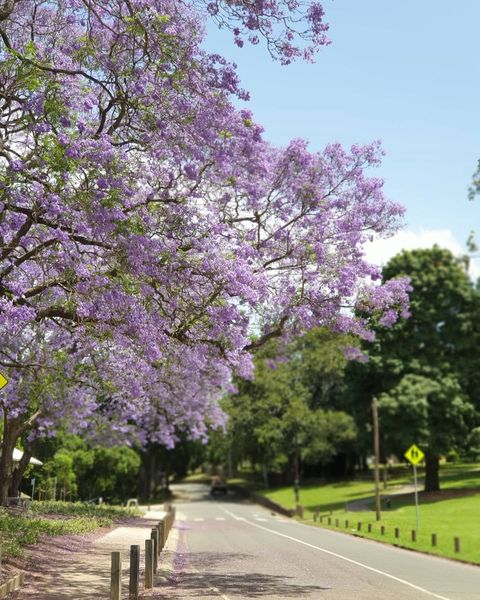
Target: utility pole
[{"x": 376, "y": 451}]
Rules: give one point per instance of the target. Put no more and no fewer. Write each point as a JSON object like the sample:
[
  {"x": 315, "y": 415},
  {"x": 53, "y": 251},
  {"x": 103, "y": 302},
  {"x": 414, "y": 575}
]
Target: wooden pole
[
  {"x": 148, "y": 564},
  {"x": 160, "y": 527},
  {"x": 154, "y": 538},
  {"x": 376, "y": 452},
  {"x": 134, "y": 573},
  {"x": 165, "y": 531},
  {"x": 116, "y": 577}
]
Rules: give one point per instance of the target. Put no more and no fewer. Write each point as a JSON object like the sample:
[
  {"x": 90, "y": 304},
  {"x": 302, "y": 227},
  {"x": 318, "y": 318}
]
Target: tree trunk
[
  {"x": 18, "y": 472},
  {"x": 432, "y": 467},
  {"x": 12, "y": 430},
  {"x": 10, "y": 436}
]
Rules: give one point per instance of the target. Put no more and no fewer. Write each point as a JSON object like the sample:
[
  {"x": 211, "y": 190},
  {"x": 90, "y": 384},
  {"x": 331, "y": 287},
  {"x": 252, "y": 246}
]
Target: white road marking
[
  {"x": 198, "y": 519},
  {"x": 350, "y": 560},
  {"x": 219, "y": 518},
  {"x": 260, "y": 519}
]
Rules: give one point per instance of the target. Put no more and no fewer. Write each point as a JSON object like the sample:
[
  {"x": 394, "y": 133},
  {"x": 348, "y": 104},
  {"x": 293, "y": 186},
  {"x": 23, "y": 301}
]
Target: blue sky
[{"x": 405, "y": 72}]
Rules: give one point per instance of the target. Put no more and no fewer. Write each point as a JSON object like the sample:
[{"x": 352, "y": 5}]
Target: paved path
[
  {"x": 84, "y": 573},
  {"x": 387, "y": 494}
]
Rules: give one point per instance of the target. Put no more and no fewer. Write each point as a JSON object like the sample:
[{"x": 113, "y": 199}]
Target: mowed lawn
[{"x": 350, "y": 507}]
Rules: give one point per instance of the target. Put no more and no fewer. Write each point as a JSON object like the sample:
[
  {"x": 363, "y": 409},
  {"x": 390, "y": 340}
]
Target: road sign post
[
  {"x": 376, "y": 452},
  {"x": 414, "y": 455}
]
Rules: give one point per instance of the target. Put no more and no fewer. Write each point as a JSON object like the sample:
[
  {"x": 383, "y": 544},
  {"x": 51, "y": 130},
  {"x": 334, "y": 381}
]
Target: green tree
[
  {"x": 283, "y": 417},
  {"x": 430, "y": 412},
  {"x": 88, "y": 472},
  {"x": 425, "y": 364}
]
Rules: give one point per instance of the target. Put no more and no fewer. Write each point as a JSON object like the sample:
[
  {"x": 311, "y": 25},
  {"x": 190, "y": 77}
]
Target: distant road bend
[{"x": 230, "y": 549}]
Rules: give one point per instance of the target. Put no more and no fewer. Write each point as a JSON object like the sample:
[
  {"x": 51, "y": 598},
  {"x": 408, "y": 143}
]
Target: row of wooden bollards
[
  {"x": 153, "y": 548},
  {"x": 320, "y": 518}
]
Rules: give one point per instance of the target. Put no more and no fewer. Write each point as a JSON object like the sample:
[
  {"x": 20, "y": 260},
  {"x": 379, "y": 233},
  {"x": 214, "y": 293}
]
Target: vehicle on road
[{"x": 218, "y": 486}]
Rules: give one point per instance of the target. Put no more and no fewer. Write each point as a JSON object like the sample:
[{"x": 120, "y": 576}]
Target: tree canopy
[
  {"x": 146, "y": 227},
  {"x": 423, "y": 368}
]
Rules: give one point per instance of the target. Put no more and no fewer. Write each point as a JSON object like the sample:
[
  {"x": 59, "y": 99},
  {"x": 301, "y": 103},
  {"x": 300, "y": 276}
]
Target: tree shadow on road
[{"x": 205, "y": 575}]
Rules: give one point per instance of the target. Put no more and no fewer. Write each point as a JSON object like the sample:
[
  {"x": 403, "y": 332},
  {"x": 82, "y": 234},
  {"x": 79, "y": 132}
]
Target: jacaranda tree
[{"x": 147, "y": 230}]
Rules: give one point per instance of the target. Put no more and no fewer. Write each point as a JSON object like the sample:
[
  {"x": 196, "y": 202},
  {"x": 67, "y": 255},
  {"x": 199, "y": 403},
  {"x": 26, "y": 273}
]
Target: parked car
[{"x": 218, "y": 486}]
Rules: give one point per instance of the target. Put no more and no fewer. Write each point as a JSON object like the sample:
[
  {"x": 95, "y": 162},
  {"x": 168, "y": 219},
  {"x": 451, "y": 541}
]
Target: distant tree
[
  {"x": 424, "y": 368},
  {"x": 283, "y": 418},
  {"x": 87, "y": 471},
  {"x": 431, "y": 412}
]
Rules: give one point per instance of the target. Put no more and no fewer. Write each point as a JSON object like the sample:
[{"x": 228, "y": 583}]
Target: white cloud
[{"x": 380, "y": 252}]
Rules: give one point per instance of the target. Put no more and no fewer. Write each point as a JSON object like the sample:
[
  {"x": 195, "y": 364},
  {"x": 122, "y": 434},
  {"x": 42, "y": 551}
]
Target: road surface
[{"x": 227, "y": 548}]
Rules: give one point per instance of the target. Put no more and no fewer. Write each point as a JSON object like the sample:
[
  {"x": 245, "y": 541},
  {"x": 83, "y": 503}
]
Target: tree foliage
[
  {"x": 146, "y": 227},
  {"x": 423, "y": 367},
  {"x": 285, "y": 413}
]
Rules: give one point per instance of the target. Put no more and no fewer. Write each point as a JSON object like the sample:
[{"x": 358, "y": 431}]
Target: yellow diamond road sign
[
  {"x": 3, "y": 381},
  {"x": 414, "y": 454}
]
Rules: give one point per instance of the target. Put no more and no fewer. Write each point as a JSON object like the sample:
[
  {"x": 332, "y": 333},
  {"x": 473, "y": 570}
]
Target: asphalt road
[{"x": 226, "y": 548}]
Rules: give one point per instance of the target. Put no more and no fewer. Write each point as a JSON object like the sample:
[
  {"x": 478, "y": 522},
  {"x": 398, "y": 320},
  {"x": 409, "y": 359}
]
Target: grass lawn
[
  {"x": 55, "y": 518},
  {"x": 452, "y": 512}
]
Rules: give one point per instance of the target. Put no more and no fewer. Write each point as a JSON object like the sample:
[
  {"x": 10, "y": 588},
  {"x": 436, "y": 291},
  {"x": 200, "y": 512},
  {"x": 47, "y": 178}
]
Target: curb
[
  {"x": 259, "y": 499},
  {"x": 12, "y": 584}
]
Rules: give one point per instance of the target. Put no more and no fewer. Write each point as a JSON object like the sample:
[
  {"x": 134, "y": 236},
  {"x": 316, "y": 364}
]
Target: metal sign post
[
  {"x": 416, "y": 494},
  {"x": 414, "y": 455}
]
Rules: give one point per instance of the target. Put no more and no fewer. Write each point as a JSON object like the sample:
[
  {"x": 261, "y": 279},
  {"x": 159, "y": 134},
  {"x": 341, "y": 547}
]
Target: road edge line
[{"x": 345, "y": 558}]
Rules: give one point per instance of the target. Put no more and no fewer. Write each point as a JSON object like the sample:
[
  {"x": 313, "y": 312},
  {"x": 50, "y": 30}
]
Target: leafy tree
[
  {"x": 146, "y": 227},
  {"x": 430, "y": 412},
  {"x": 277, "y": 419},
  {"x": 422, "y": 368},
  {"x": 87, "y": 472}
]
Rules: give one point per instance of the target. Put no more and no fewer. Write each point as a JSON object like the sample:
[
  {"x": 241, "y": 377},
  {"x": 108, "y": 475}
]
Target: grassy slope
[
  {"x": 453, "y": 512},
  {"x": 54, "y": 518}
]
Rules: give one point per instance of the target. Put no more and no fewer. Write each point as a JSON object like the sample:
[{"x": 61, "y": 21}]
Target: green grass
[
  {"x": 453, "y": 512},
  {"x": 52, "y": 519},
  {"x": 83, "y": 509}
]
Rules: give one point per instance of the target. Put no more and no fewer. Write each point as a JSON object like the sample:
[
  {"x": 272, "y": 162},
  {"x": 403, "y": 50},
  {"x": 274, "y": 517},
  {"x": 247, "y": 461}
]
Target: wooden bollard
[
  {"x": 165, "y": 531},
  {"x": 397, "y": 532},
  {"x": 369, "y": 528},
  {"x": 314, "y": 517},
  {"x": 414, "y": 535},
  {"x": 134, "y": 573},
  {"x": 329, "y": 520},
  {"x": 148, "y": 564},
  {"x": 154, "y": 538},
  {"x": 160, "y": 536},
  {"x": 346, "y": 523},
  {"x": 337, "y": 522},
  {"x": 359, "y": 526},
  {"x": 116, "y": 577},
  {"x": 434, "y": 539},
  {"x": 456, "y": 542},
  {"x": 382, "y": 529}
]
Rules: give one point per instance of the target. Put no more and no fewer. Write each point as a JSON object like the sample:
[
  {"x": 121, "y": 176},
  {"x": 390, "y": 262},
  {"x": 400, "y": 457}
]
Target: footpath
[{"x": 78, "y": 567}]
